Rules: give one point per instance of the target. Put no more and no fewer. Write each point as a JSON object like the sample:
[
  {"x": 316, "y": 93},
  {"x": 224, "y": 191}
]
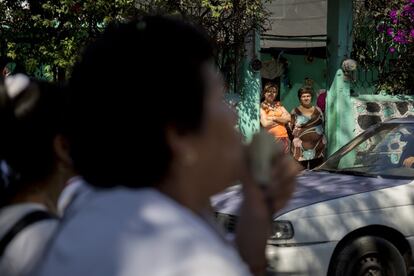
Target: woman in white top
[
  {"x": 155, "y": 150},
  {"x": 34, "y": 167}
]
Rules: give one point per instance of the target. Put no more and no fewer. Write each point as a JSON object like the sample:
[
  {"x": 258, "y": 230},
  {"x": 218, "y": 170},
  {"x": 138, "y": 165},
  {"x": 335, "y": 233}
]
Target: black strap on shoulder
[{"x": 25, "y": 221}]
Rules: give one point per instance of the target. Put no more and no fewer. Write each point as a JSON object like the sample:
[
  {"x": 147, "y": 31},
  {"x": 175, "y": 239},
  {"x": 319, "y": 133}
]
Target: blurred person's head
[
  {"x": 7, "y": 70},
  {"x": 12, "y": 68},
  {"x": 270, "y": 92},
  {"x": 34, "y": 153},
  {"x": 177, "y": 135},
  {"x": 305, "y": 96}
]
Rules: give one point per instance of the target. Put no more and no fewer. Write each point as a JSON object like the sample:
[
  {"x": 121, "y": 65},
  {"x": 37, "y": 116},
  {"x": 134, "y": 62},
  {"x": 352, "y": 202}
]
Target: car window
[{"x": 382, "y": 152}]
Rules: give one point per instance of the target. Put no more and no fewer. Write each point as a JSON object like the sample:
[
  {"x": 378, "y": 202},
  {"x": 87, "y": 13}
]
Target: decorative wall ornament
[
  {"x": 272, "y": 69},
  {"x": 368, "y": 113},
  {"x": 308, "y": 82},
  {"x": 349, "y": 67},
  {"x": 256, "y": 64}
]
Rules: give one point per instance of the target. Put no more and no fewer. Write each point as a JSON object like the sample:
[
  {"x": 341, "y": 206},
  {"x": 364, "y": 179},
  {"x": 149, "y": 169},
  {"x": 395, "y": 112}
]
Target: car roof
[{"x": 404, "y": 120}]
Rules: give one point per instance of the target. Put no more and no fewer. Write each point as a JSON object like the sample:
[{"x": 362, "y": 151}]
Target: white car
[{"x": 354, "y": 215}]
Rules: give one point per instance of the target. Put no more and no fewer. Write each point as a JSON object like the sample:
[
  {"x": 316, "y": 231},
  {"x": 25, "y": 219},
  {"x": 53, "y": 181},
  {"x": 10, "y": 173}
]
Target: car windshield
[{"x": 386, "y": 151}]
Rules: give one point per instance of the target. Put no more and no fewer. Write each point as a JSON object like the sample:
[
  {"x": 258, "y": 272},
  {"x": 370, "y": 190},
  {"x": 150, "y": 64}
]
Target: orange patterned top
[{"x": 278, "y": 130}]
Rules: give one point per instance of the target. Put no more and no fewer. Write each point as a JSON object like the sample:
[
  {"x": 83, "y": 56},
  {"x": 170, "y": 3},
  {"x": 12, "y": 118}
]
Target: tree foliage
[
  {"x": 384, "y": 41},
  {"x": 228, "y": 23},
  {"x": 53, "y": 32}
]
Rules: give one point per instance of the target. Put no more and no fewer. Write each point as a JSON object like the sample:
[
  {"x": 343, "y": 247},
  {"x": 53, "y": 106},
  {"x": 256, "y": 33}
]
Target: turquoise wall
[
  {"x": 339, "y": 30},
  {"x": 298, "y": 70},
  {"x": 339, "y": 125},
  {"x": 249, "y": 106},
  {"x": 347, "y": 116}
]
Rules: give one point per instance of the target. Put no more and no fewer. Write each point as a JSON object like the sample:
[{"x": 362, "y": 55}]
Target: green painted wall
[
  {"x": 348, "y": 116},
  {"x": 249, "y": 106},
  {"x": 339, "y": 30},
  {"x": 339, "y": 117},
  {"x": 298, "y": 70}
]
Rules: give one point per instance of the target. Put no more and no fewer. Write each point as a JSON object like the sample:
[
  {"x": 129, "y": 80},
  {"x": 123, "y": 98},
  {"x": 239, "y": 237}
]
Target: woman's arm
[
  {"x": 265, "y": 120},
  {"x": 255, "y": 223},
  {"x": 285, "y": 118},
  {"x": 292, "y": 122}
]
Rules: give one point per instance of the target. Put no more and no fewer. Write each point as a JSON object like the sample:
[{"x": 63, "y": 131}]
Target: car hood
[{"x": 312, "y": 187}]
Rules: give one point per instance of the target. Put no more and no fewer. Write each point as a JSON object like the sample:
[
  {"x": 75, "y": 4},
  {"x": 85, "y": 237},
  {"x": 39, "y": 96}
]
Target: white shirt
[
  {"x": 73, "y": 188},
  {"x": 27, "y": 247},
  {"x": 133, "y": 232}
]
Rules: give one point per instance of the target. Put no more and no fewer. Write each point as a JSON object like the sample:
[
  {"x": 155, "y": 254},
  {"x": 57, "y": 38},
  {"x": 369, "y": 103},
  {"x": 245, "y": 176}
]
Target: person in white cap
[{"x": 34, "y": 165}]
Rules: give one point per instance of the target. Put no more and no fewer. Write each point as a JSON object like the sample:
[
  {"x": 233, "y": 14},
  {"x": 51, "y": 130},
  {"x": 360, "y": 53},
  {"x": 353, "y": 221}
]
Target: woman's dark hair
[
  {"x": 270, "y": 86},
  {"x": 305, "y": 90},
  {"x": 30, "y": 117},
  {"x": 267, "y": 87},
  {"x": 119, "y": 115}
]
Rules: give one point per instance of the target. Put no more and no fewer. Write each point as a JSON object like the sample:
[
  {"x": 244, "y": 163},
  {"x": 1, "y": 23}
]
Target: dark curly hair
[
  {"x": 305, "y": 90},
  {"x": 119, "y": 116},
  {"x": 30, "y": 121}
]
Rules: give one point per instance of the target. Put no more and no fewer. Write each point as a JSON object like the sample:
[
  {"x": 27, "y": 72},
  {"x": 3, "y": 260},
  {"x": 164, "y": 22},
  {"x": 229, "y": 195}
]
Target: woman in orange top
[{"x": 273, "y": 116}]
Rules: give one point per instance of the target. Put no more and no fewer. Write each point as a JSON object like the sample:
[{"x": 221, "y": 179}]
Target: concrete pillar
[
  {"x": 250, "y": 89},
  {"x": 339, "y": 118},
  {"x": 339, "y": 30},
  {"x": 339, "y": 126}
]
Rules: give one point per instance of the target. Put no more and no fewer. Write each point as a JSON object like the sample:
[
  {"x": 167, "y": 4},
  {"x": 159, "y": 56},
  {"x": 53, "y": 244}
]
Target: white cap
[{"x": 16, "y": 84}]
